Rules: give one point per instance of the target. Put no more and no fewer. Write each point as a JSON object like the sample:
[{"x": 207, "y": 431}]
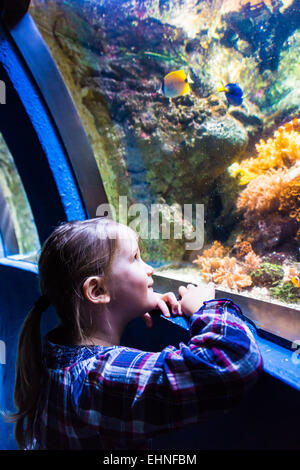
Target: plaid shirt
[{"x": 97, "y": 397}]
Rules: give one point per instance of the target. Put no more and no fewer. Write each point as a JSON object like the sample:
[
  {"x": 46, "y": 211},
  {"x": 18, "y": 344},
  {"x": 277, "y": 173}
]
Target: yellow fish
[
  {"x": 176, "y": 84},
  {"x": 296, "y": 281}
]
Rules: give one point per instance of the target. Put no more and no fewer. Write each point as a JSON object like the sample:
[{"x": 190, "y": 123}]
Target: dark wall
[{"x": 18, "y": 291}]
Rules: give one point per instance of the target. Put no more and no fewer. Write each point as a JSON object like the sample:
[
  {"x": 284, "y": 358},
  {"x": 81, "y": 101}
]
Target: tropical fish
[
  {"x": 233, "y": 93},
  {"x": 296, "y": 281},
  {"x": 293, "y": 125},
  {"x": 175, "y": 84}
]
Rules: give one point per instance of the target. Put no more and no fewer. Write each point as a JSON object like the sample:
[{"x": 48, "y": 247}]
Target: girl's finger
[
  {"x": 148, "y": 320},
  {"x": 164, "y": 308},
  {"x": 181, "y": 290},
  {"x": 168, "y": 295},
  {"x": 171, "y": 297},
  {"x": 176, "y": 307}
]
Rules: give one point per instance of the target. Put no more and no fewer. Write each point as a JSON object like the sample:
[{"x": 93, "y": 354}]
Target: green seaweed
[
  {"x": 167, "y": 57},
  {"x": 286, "y": 292},
  {"x": 179, "y": 58},
  {"x": 268, "y": 274}
]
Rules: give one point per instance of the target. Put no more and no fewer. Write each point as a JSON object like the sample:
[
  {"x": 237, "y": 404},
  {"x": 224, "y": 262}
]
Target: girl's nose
[{"x": 150, "y": 270}]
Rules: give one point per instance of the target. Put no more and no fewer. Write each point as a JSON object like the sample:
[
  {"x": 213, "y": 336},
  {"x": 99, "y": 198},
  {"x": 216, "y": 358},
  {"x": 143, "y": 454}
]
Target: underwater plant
[
  {"x": 290, "y": 197},
  {"x": 218, "y": 267},
  {"x": 262, "y": 194},
  {"x": 271, "y": 212},
  {"x": 216, "y": 250},
  {"x": 286, "y": 292},
  {"x": 270, "y": 201},
  {"x": 267, "y": 274},
  {"x": 241, "y": 248},
  {"x": 251, "y": 262},
  {"x": 280, "y": 151}
]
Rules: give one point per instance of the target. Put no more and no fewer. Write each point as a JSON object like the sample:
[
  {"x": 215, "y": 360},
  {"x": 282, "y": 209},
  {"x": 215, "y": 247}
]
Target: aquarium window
[
  {"x": 1, "y": 247},
  {"x": 194, "y": 126},
  {"x": 18, "y": 231}
]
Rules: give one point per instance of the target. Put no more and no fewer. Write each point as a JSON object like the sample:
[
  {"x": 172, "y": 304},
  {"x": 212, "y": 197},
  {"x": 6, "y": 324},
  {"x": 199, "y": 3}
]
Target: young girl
[{"x": 86, "y": 391}]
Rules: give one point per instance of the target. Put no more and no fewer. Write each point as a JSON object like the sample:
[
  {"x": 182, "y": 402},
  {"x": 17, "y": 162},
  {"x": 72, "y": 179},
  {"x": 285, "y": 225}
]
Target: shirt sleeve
[{"x": 137, "y": 394}]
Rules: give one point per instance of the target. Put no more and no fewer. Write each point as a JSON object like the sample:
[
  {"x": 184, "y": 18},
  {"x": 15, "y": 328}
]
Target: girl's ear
[{"x": 94, "y": 291}]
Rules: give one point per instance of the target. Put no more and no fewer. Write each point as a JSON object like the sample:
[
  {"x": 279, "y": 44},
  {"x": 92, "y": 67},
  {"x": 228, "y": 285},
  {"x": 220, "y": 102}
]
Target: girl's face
[{"x": 131, "y": 283}]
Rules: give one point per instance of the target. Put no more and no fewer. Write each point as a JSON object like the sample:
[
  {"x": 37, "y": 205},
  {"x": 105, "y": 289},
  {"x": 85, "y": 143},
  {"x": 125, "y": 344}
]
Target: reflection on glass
[
  {"x": 190, "y": 102},
  {"x": 15, "y": 208}
]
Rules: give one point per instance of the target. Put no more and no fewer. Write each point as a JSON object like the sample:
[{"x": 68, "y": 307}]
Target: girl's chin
[{"x": 152, "y": 297}]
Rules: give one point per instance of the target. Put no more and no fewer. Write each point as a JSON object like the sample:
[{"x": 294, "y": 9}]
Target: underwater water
[{"x": 194, "y": 102}]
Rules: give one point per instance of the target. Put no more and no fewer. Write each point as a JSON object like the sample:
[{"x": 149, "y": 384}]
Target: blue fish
[{"x": 233, "y": 93}]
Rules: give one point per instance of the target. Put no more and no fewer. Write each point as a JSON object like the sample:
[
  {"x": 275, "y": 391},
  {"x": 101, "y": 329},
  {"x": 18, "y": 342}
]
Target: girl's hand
[
  {"x": 162, "y": 303},
  {"x": 192, "y": 297}
]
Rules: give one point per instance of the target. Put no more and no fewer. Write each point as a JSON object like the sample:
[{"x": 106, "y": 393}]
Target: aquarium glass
[
  {"x": 192, "y": 108},
  {"x": 17, "y": 202}
]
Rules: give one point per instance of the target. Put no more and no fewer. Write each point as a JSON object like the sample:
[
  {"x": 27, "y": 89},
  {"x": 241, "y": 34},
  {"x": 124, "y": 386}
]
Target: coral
[
  {"x": 251, "y": 262},
  {"x": 289, "y": 199},
  {"x": 281, "y": 151},
  {"x": 221, "y": 269},
  {"x": 286, "y": 292},
  {"x": 267, "y": 275},
  {"x": 261, "y": 195},
  {"x": 271, "y": 208},
  {"x": 271, "y": 192},
  {"x": 216, "y": 250},
  {"x": 269, "y": 232},
  {"x": 241, "y": 248}
]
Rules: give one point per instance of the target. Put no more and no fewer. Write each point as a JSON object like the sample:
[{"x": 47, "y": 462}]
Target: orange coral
[
  {"x": 251, "y": 262},
  {"x": 280, "y": 151},
  {"x": 241, "y": 248},
  {"x": 289, "y": 199},
  {"x": 222, "y": 269},
  {"x": 216, "y": 250},
  {"x": 262, "y": 195},
  {"x": 272, "y": 192}
]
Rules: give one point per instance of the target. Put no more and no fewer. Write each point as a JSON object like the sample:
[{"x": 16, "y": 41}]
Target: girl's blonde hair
[{"x": 73, "y": 252}]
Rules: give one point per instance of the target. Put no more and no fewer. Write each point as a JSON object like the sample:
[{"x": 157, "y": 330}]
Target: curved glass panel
[
  {"x": 192, "y": 111},
  {"x": 16, "y": 210}
]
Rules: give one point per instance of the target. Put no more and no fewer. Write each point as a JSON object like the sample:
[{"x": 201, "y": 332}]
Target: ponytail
[{"x": 28, "y": 373}]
